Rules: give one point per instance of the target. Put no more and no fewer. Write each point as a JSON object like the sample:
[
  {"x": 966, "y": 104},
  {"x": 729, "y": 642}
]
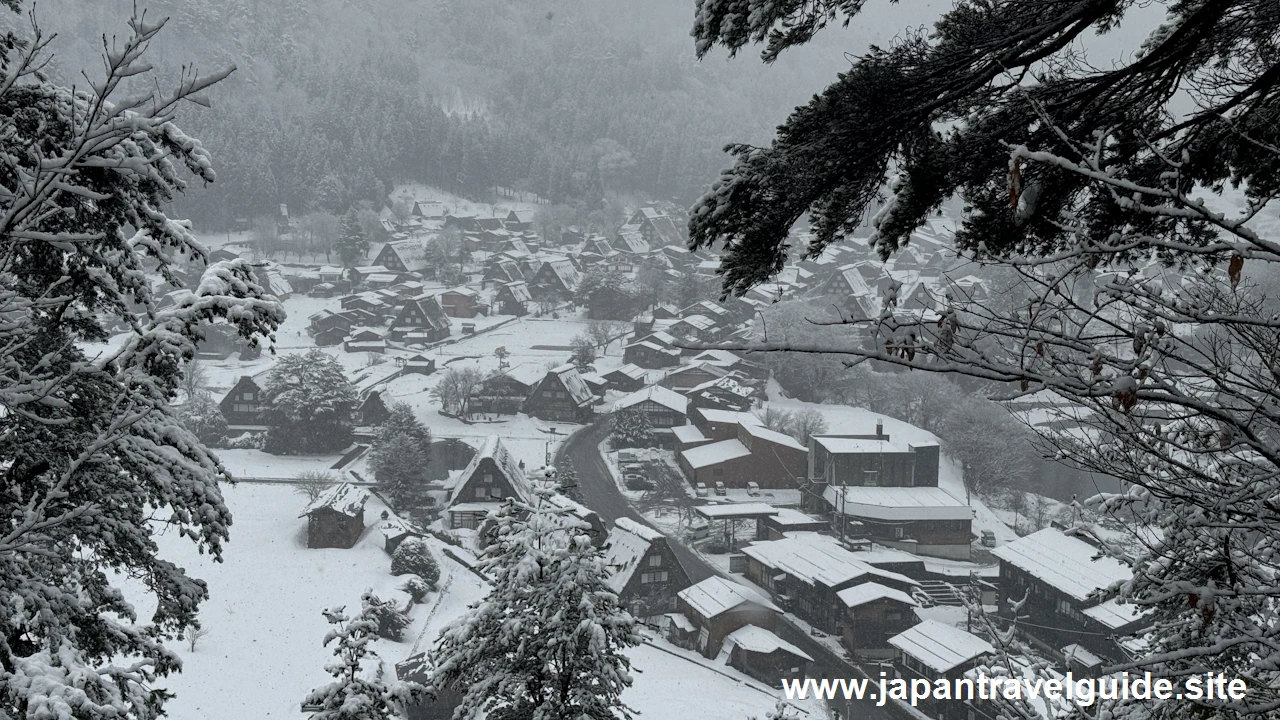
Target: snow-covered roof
[
  {"x": 870, "y": 592},
  {"x": 814, "y": 558},
  {"x": 1114, "y": 615},
  {"x": 897, "y": 503},
  {"x": 723, "y": 358},
  {"x": 715, "y": 595},
  {"x": 578, "y": 389},
  {"x": 756, "y": 639},
  {"x": 495, "y": 450},
  {"x": 1063, "y": 562},
  {"x": 777, "y": 438},
  {"x": 687, "y": 434},
  {"x": 847, "y": 445},
  {"x": 631, "y": 370},
  {"x": 344, "y": 498},
  {"x": 663, "y": 396},
  {"x": 791, "y": 516},
  {"x": 628, "y": 542},
  {"x": 732, "y": 510},
  {"x": 729, "y": 416},
  {"x": 395, "y": 527},
  {"x": 527, "y": 374},
  {"x": 474, "y": 507},
  {"x": 715, "y": 453},
  {"x": 680, "y": 621},
  {"x": 1081, "y": 655},
  {"x": 939, "y": 646}
]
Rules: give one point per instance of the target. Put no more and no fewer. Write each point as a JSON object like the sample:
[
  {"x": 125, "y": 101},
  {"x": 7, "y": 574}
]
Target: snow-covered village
[{"x": 564, "y": 360}]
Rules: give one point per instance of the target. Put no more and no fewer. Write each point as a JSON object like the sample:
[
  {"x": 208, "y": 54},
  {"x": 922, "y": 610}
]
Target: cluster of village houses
[
  {"x": 875, "y": 599},
  {"x": 874, "y": 543}
]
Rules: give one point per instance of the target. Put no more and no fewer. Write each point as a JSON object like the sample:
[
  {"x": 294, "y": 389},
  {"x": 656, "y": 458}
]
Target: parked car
[
  {"x": 753, "y": 489},
  {"x": 720, "y": 488},
  {"x": 988, "y": 538},
  {"x": 468, "y": 328},
  {"x": 700, "y": 489},
  {"x": 700, "y": 530}
]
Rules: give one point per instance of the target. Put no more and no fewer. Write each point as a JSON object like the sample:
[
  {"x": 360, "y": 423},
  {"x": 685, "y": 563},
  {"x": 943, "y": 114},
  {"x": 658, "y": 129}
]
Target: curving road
[{"x": 601, "y": 494}]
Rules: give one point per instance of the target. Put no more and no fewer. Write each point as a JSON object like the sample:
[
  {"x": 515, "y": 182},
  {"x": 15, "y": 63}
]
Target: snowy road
[{"x": 600, "y": 493}]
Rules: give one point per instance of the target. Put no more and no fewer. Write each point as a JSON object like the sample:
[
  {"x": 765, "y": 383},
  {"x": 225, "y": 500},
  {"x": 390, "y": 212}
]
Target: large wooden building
[
  {"x": 420, "y": 319},
  {"x": 935, "y": 651},
  {"x": 492, "y": 476},
  {"x": 561, "y": 396},
  {"x": 889, "y": 492},
  {"x": 710, "y": 611},
  {"x": 755, "y": 454},
  {"x": 1070, "y": 597},
  {"x": 646, "y": 574},
  {"x": 243, "y": 404},
  {"x": 805, "y": 572}
]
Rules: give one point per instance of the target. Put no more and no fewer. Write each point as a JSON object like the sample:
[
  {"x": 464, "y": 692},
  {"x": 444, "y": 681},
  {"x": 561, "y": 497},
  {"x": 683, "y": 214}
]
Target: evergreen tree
[
  {"x": 309, "y": 405},
  {"x": 547, "y": 641},
  {"x": 631, "y": 429},
  {"x": 353, "y": 243},
  {"x": 353, "y": 695},
  {"x": 606, "y": 294},
  {"x": 90, "y": 446},
  {"x": 831, "y": 159},
  {"x": 413, "y": 555},
  {"x": 399, "y": 457},
  {"x": 201, "y": 415},
  {"x": 567, "y": 480}
]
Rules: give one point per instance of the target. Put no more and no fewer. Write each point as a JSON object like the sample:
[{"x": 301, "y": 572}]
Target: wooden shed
[{"x": 336, "y": 518}]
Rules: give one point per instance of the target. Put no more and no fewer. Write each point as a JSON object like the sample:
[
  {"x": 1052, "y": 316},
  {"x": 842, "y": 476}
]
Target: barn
[{"x": 336, "y": 518}]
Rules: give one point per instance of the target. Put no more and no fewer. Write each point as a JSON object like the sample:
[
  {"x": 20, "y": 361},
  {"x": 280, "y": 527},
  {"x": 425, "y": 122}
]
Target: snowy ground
[
  {"x": 264, "y": 649},
  {"x": 263, "y": 652},
  {"x": 257, "y": 464},
  {"x": 454, "y": 205}
]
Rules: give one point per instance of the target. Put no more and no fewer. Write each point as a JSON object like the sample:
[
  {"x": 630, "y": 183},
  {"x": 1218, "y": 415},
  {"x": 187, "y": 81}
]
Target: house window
[
  {"x": 488, "y": 478},
  {"x": 482, "y": 493},
  {"x": 247, "y": 396},
  {"x": 704, "y": 637},
  {"x": 898, "y": 533},
  {"x": 653, "y": 577},
  {"x": 495, "y": 492}
]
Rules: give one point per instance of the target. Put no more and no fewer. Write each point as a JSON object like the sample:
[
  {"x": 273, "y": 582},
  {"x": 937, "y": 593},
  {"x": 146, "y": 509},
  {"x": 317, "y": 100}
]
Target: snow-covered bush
[
  {"x": 391, "y": 621},
  {"x": 413, "y": 556},
  {"x": 246, "y": 441},
  {"x": 416, "y": 588}
]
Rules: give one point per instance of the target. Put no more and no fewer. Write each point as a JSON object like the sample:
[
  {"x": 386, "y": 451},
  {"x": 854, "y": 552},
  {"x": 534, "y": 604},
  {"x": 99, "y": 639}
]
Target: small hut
[{"x": 336, "y": 518}]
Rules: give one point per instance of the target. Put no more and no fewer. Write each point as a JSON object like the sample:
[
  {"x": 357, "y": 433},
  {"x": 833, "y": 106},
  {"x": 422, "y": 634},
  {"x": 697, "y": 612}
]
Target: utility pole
[{"x": 553, "y": 433}]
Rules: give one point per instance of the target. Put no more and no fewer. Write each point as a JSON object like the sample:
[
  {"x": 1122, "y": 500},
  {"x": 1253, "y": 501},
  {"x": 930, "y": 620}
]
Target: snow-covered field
[
  {"x": 264, "y": 649},
  {"x": 263, "y": 652}
]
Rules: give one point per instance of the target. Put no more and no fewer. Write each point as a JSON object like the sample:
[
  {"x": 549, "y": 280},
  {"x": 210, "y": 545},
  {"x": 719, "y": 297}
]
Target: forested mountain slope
[{"x": 571, "y": 99}]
